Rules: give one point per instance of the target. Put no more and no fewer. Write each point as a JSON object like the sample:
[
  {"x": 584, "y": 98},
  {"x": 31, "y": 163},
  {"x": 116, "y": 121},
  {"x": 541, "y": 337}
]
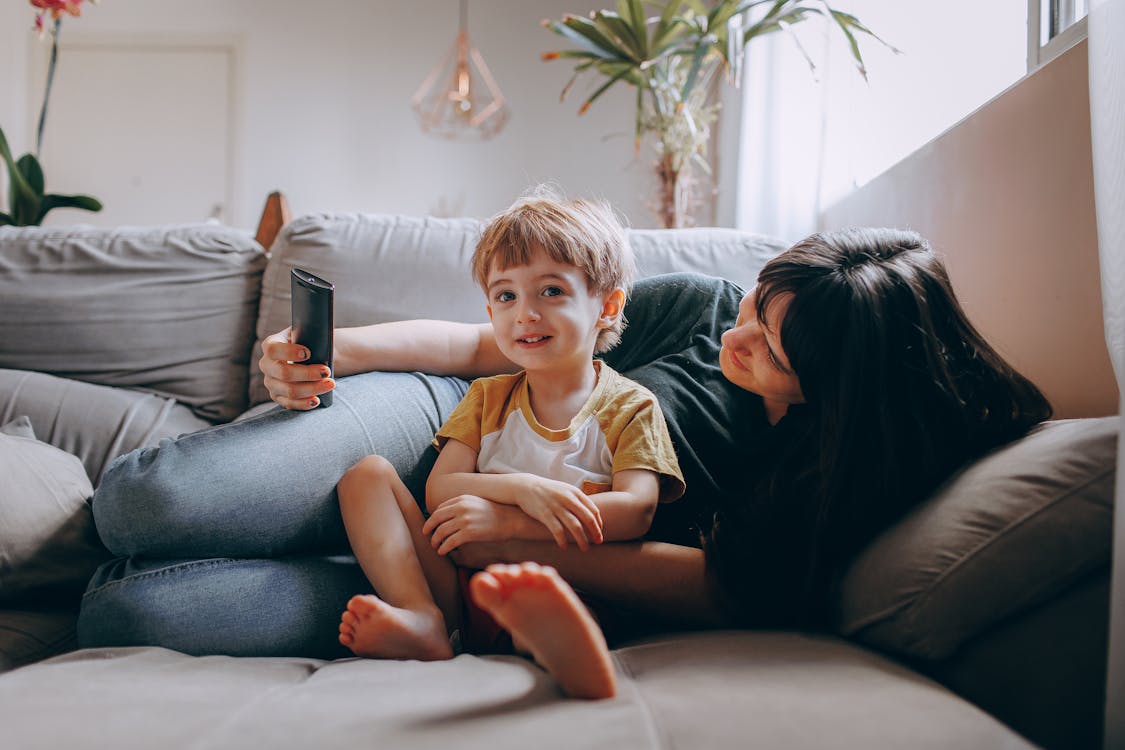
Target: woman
[
  {"x": 807, "y": 415},
  {"x": 852, "y": 384}
]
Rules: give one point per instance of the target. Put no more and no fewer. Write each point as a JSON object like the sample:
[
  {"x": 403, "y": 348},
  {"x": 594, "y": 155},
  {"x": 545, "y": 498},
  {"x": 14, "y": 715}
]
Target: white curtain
[{"x": 1106, "y": 30}]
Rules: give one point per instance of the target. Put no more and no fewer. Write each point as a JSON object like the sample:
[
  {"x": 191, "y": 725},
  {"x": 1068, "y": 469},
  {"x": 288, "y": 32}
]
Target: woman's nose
[{"x": 739, "y": 336}]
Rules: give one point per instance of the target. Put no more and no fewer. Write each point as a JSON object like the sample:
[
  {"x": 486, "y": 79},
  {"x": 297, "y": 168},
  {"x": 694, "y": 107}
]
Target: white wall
[{"x": 323, "y": 103}]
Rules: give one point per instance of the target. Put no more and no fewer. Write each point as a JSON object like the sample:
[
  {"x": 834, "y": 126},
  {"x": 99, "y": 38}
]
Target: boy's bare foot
[
  {"x": 543, "y": 613},
  {"x": 370, "y": 627}
]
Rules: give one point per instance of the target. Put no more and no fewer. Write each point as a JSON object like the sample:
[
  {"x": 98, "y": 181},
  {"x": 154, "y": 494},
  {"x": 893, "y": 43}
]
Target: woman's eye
[
  {"x": 505, "y": 297},
  {"x": 553, "y": 291}
]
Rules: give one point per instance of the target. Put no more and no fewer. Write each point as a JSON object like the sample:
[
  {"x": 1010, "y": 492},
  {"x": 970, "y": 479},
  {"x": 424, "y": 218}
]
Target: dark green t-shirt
[{"x": 671, "y": 346}]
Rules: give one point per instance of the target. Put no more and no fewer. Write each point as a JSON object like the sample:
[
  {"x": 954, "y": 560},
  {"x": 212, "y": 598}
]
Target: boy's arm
[
  {"x": 563, "y": 511},
  {"x": 626, "y": 512}
]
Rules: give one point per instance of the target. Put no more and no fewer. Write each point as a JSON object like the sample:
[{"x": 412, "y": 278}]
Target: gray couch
[{"x": 978, "y": 621}]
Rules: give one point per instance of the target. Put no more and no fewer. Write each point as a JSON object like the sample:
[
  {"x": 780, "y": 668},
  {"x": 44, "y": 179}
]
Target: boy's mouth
[{"x": 531, "y": 339}]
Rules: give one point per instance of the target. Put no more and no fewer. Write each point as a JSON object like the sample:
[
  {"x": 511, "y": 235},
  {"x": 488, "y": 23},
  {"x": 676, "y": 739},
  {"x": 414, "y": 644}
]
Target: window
[{"x": 1053, "y": 27}]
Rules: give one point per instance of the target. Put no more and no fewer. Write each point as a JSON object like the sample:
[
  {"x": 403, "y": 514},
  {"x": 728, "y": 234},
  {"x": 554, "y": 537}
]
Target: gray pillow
[
  {"x": 1010, "y": 531},
  {"x": 48, "y": 546},
  {"x": 167, "y": 309},
  {"x": 96, "y": 423}
]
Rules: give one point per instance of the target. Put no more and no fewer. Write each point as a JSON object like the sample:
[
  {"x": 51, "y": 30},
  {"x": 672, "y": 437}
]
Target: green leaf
[
  {"x": 20, "y": 191},
  {"x": 5, "y": 219},
  {"x": 29, "y": 167},
  {"x": 85, "y": 202},
  {"x": 857, "y": 56},
  {"x": 666, "y": 26},
  {"x": 602, "y": 89},
  {"x": 614, "y": 27},
  {"x": 639, "y": 24},
  {"x": 693, "y": 72},
  {"x": 585, "y": 34}
]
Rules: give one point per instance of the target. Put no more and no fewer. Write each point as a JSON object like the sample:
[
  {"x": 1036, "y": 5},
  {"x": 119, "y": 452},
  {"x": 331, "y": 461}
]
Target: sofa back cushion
[
  {"x": 169, "y": 310},
  {"x": 1010, "y": 531},
  {"x": 387, "y": 267}
]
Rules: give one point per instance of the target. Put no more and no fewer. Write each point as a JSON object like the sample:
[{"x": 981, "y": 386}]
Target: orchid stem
[{"x": 47, "y": 93}]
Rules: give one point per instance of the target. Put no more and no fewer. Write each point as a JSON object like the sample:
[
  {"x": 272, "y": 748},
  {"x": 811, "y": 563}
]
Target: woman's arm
[
  {"x": 434, "y": 346},
  {"x": 667, "y": 580}
]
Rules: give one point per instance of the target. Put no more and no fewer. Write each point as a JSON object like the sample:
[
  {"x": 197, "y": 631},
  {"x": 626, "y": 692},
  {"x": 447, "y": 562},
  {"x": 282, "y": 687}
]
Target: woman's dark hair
[{"x": 901, "y": 390}]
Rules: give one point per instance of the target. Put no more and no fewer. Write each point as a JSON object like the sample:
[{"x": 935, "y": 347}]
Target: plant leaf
[
  {"x": 585, "y": 34},
  {"x": 602, "y": 89},
  {"x": 639, "y": 24},
  {"x": 613, "y": 26},
  {"x": 29, "y": 167},
  {"x": 85, "y": 202},
  {"x": 21, "y": 192},
  {"x": 5, "y": 219}
]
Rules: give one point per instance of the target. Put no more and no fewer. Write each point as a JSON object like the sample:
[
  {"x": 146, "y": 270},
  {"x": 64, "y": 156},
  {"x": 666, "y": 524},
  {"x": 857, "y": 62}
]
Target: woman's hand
[
  {"x": 293, "y": 385},
  {"x": 566, "y": 511},
  {"x": 464, "y": 519}
]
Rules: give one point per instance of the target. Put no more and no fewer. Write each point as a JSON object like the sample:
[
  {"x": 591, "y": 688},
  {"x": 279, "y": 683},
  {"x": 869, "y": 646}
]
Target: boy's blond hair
[{"x": 585, "y": 234}]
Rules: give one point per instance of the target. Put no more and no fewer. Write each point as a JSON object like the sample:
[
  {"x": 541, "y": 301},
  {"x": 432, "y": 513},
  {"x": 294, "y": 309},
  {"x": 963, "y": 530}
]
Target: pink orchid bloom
[{"x": 56, "y": 8}]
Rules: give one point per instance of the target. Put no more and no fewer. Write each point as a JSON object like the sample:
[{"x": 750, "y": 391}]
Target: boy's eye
[
  {"x": 505, "y": 297},
  {"x": 553, "y": 291}
]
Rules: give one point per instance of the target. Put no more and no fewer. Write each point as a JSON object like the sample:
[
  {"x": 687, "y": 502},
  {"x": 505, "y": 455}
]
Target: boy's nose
[{"x": 526, "y": 313}]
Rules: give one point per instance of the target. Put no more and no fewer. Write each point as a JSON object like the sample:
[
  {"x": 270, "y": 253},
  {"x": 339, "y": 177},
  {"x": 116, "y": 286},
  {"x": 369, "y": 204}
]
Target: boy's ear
[{"x": 612, "y": 306}]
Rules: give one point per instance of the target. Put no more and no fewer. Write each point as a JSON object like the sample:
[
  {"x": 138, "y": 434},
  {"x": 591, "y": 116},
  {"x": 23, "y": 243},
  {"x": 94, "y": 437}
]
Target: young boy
[{"x": 583, "y": 452}]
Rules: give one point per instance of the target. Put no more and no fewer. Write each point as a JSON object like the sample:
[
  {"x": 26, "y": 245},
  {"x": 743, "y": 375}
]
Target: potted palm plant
[{"x": 672, "y": 58}]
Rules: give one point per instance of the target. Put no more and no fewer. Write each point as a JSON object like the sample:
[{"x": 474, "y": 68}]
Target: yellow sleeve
[
  {"x": 639, "y": 439},
  {"x": 464, "y": 423}
]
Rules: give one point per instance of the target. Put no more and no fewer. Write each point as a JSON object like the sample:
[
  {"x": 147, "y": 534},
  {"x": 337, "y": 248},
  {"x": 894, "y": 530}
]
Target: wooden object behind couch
[{"x": 275, "y": 215}]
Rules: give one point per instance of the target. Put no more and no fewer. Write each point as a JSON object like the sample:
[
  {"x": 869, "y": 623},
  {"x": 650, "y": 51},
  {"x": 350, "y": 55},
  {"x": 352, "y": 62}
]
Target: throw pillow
[
  {"x": 166, "y": 309},
  {"x": 1012, "y": 530},
  {"x": 48, "y": 545}
]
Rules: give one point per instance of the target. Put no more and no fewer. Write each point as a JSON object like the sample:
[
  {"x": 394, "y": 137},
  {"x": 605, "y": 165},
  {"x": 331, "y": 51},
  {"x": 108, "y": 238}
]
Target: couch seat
[{"x": 721, "y": 689}]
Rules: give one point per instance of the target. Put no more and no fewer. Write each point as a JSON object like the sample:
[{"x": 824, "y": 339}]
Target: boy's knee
[{"x": 368, "y": 470}]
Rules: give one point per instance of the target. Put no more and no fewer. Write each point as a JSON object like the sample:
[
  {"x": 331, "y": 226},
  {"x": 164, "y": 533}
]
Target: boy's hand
[
  {"x": 464, "y": 519},
  {"x": 566, "y": 511}
]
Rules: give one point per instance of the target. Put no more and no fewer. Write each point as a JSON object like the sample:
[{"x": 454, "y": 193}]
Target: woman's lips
[{"x": 734, "y": 358}]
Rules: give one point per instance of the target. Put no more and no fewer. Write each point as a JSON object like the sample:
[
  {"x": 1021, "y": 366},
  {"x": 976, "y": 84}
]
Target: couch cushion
[
  {"x": 712, "y": 690},
  {"x": 1010, "y": 531},
  {"x": 167, "y": 309},
  {"x": 97, "y": 423},
  {"x": 48, "y": 546},
  {"x": 389, "y": 268}
]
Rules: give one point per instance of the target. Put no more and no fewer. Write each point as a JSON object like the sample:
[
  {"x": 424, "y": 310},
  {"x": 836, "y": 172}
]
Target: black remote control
[{"x": 312, "y": 320}]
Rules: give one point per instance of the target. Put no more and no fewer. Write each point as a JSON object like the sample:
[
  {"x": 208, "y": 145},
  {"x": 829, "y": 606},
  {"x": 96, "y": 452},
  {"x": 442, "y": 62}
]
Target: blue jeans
[{"x": 193, "y": 520}]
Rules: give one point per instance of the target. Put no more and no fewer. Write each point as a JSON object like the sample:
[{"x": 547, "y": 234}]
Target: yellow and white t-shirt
[{"x": 620, "y": 427}]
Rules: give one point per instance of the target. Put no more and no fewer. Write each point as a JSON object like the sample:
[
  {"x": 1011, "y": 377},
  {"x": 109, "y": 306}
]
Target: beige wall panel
[{"x": 1007, "y": 197}]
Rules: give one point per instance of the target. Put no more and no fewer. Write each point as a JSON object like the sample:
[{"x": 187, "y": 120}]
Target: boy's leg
[
  {"x": 545, "y": 616},
  {"x": 417, "y": 589}
]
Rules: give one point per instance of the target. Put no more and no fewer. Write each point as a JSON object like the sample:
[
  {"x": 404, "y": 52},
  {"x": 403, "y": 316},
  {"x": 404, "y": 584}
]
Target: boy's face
[{"x": 544, "y": 314}]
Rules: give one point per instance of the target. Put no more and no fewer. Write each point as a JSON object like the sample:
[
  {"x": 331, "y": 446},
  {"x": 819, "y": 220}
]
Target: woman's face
[{"x": 752, "y": 357}]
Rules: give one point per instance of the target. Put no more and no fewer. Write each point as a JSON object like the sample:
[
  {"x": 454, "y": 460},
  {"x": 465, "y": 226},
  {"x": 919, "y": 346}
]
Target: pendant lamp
[{"x": 459, "y": 99}]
